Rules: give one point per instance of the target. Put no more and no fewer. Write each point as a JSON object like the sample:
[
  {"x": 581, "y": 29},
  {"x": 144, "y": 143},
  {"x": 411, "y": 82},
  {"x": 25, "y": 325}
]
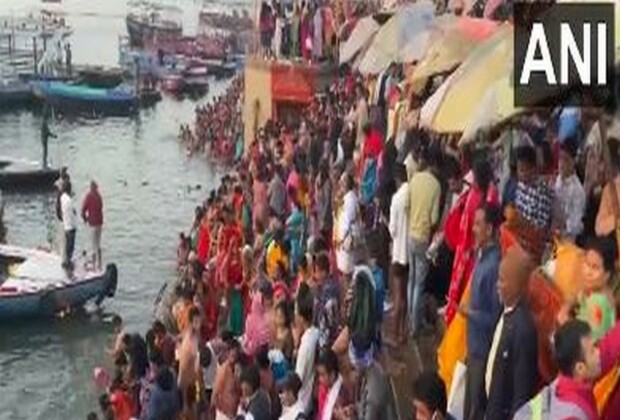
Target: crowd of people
[
  {"x": 350, "y": 230},
  {"x": 218, "y": 126},
  {"x": 298, "y": 30}
]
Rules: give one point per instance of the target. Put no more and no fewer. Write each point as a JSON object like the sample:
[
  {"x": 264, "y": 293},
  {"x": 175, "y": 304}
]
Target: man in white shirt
[
  {"x": 570, "y": 197},
  {"x": 398, "y": 226},
  {"x": 307, "y": 349},
  {"x": 69, "y": 223}
]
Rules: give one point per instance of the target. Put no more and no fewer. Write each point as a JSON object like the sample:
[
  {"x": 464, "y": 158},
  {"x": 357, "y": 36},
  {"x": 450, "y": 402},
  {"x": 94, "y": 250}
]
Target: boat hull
[
  {"x": 140, "y": 31},
  {"x": 35, "y": 179},
  {"x": 47, "y": 303},
  {"x": 84, "y": 99}
]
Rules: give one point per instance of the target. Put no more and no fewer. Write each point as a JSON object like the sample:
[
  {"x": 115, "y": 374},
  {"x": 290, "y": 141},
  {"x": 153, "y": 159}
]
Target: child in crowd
[
  {"x": 292, "y": 408},
  {"x": 118, "y": 331},
  {"x": 283, "y": 346}
]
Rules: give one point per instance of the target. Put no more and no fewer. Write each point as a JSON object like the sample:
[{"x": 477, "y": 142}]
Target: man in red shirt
[{"x": 92, "y": 213}]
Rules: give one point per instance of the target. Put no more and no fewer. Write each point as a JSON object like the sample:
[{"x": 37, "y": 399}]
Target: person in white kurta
[
  {"x": 276, "y": 42},
  {"x": 317, "y": 42},
  {"x": 398, "y": 227},
  {"x": 347, "y": 215}
]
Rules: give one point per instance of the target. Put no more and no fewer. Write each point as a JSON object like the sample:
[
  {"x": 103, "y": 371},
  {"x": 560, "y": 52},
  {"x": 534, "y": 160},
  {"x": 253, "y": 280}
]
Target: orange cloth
[
  {"x": 568, "y": 270},
  {"x": 545, "y": 301},
  {"x": 453, "y": 347},
  {"x": 604, "y": 388}
]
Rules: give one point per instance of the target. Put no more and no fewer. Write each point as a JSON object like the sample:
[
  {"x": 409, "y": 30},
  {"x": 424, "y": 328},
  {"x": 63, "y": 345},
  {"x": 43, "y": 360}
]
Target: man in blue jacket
[{"x": 483, "y": 309}]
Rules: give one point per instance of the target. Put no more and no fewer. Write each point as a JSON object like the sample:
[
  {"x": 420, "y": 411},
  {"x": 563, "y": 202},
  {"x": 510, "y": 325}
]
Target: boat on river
[
  {"x": 147, "y": 21},
  {"x": 33, "y": 283},
  {"x": 15, "y": 93},
  {"x": 120, "y": 100},
  {"x": 22, "y": 175}
]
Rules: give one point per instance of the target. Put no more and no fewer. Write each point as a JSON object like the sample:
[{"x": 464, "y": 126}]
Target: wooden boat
[
  {"x": 33, "y": 283},
  {"x": 15, "y": 93},
  {"x": 196, "y": 86},
  {"x": 220, "y": 18},
  {"x": 22, "y": 175},
  {"x": 172, "y": 83},
  {"x": 220, "y": 68},
  {"x": 148, "y": 21},
  {"x": 100, "y": 77},
  {"x": 149, "y": 97},
  {"x": 67, "y": 97}
]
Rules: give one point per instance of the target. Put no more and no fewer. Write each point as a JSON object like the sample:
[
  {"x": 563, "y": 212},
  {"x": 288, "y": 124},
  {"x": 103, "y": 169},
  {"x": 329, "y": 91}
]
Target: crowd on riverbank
[
  {"x": 218, "y": 127},
  {"x": 340, "y": 233},
  {"x": 283, "y": 277}
]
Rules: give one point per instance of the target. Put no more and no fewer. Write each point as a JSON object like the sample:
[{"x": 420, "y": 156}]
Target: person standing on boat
[
  {"x": 46, "y": 133},
  {"x": 69, "y": 223},
  {"x": 68, "y": 58},
  {"x": 59, "y": 189},
  {"x": 92, "y": 214}
]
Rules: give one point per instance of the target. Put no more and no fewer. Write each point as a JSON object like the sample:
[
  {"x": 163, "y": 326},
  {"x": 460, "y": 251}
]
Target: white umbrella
[
  {"x": 409, "y": 25},
  {"x": 361, "y": 34}
]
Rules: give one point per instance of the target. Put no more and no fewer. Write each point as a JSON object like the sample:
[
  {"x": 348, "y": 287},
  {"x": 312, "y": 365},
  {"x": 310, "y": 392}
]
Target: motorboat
[
  {"x": 19, "y": 175},
  {"x": 34, "y": 284},
  {"x": 120, "y": 100}
]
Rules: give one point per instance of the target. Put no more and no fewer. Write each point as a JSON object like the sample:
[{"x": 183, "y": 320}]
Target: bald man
[{"x": 512, "y": 365}]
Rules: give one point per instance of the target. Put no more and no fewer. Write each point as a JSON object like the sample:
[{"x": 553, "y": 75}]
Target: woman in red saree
[
  {"x": 204, "y": 241},
  {"x": 482, "y": 191},
  {"x": 371, "y": 149}
]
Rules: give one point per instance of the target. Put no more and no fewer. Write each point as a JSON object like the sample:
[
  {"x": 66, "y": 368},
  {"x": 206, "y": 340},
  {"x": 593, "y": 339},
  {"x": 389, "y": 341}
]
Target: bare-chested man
[
  {"x": 225, "y": 398},
  {"x": 189, "y": 363}
]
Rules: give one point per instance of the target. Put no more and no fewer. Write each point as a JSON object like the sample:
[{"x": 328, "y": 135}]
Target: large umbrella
[
  {"x": 496, "y": 106},
  {"x": 409, "y": 24},
  {"x": 451, "y": 43},
  {"x": 452, "y": 107},
  {"x": 362, "y": 33}
]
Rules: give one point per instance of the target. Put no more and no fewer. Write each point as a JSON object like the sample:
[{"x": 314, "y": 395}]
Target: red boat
[
  {"x": 172, "y": 83},
  {"x": 202, "y": 46}
]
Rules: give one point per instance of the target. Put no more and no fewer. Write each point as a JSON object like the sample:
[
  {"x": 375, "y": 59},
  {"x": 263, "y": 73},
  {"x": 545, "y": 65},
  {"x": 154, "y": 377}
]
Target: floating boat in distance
[
  {"x": 22, "y": 175},
  {"x": 33, "y": 284},
  {"x": 100, "y": 77},
  {"x": 67, "y": 97},
  {"x": 147, "y": 21},
  {"x": 172, "y": 83},
  {"x": 221, "y": 69}
]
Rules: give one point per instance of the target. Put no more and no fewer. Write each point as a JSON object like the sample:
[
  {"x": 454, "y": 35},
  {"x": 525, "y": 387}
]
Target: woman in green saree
[{"x": 294, "y": 233}]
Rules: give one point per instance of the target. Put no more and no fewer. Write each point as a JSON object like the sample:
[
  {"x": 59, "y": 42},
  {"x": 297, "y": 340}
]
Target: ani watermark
[{"x": 564, "y": 54}]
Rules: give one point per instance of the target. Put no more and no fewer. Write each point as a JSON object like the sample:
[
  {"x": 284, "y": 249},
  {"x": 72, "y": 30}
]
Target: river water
[{"x": 149, "y": 187}]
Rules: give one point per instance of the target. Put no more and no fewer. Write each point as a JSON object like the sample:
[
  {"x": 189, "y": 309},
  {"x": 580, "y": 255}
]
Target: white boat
[{"x": 33, "y": 283}]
